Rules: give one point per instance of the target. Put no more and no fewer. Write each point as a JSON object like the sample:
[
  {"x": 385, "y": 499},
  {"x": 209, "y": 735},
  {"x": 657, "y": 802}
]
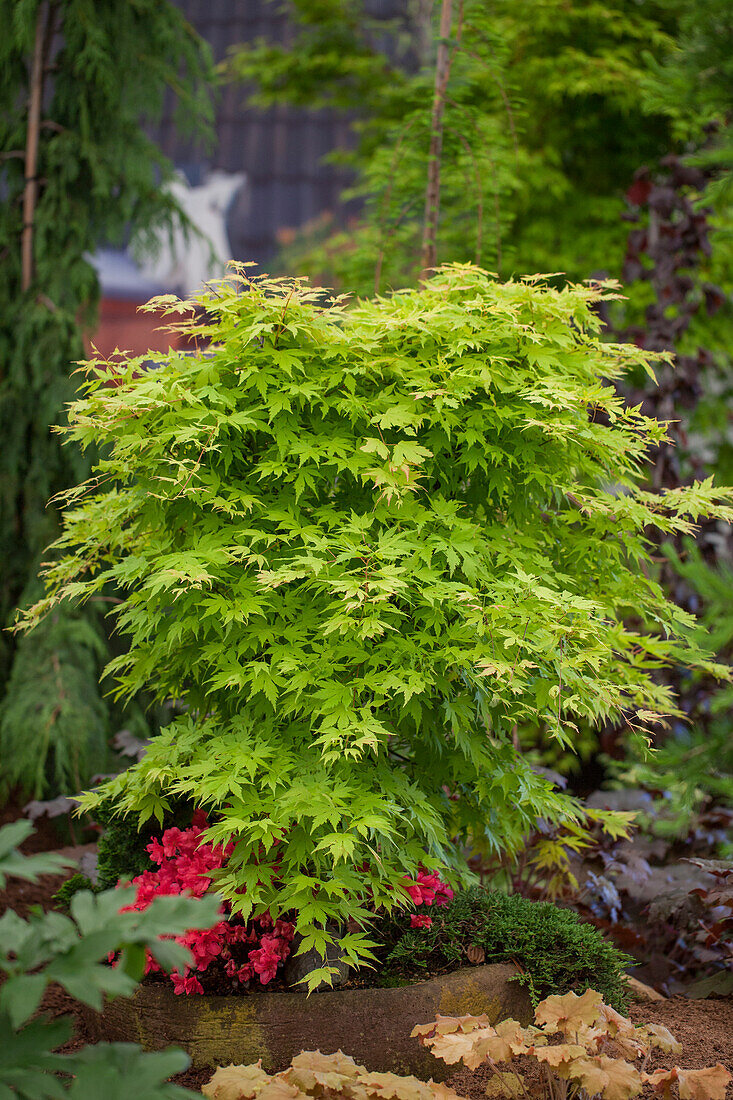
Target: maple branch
[{"x": 479, "y": 190}]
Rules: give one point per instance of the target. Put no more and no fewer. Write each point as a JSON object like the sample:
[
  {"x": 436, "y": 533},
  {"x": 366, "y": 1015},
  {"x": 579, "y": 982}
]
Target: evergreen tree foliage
[
  {"x": 545, "y": 123},
  {"x": 55, "y": 721},
  {"x": 77, "y": 80},
  {"x": 693, "y": 85},
  {"x": 361, "y": 545}
]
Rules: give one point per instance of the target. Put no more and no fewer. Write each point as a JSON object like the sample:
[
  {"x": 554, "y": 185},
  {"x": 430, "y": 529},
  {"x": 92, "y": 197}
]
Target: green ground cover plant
[
  {"x": 556, "y": 951},
  {"x": 360, "y": 545}
]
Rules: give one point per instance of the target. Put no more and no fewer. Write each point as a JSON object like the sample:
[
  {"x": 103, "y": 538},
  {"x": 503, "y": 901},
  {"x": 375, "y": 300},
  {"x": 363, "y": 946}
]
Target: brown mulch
[
  {"x": 47, "y": 834},
  {"x": 704, "y": 1027}
]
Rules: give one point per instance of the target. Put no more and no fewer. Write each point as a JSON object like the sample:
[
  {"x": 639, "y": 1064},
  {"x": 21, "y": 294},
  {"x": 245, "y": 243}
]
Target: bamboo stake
[
  {"x": 432, "y": 190},
  {"x": 30, "y": 192}
]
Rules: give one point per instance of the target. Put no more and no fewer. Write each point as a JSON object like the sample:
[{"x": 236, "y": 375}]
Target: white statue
[{"x": 179, "y": 261}]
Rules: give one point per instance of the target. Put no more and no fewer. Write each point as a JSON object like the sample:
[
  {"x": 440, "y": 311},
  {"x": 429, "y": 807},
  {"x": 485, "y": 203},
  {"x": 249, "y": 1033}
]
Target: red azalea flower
[
  {"x": 421, "y": 920},
  {"x": 186, "y": 983}
]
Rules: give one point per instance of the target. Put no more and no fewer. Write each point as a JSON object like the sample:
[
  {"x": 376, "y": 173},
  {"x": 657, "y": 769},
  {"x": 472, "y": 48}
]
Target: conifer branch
[{"x": 35, "y": 101}]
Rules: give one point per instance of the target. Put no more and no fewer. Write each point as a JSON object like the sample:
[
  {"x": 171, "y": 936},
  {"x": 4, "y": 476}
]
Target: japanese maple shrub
[{"x": 360, "y": 544}]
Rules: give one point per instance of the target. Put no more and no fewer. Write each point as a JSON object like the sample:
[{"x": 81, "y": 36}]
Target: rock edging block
[{"x": 372, "y": 1025}]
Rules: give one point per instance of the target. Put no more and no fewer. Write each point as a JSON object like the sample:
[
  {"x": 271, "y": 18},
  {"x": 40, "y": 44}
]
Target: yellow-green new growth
[{"x": 361, "y": 544}]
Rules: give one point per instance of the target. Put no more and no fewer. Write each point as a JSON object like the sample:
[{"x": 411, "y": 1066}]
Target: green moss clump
[
  {"x": 556, "y": 950},
  {"x": 122, "y": 849},
  {"x": 62, "y": 898}
]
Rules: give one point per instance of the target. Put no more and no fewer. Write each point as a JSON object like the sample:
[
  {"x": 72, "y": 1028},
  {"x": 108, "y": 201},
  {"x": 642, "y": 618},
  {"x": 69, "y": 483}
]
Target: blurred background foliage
[
  {"x": 79, "y": 82},
  {"x": 547, "y": 118}
]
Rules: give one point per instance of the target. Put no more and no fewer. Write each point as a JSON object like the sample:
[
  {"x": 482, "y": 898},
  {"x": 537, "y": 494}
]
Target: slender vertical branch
[
  {"x": 432, "y": 190},
  {"x": 479, "y": 198},
  {"x": 384, "y": 205},
  {"x": 35, "y": 100}
]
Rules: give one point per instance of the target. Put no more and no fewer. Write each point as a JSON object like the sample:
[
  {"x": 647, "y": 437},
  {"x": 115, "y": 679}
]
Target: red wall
[{"x": 121, "y": 326}]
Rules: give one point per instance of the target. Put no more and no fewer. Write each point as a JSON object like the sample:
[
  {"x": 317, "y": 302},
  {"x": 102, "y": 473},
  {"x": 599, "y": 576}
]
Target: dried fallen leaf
[
  {"x": 446, "y": 1025},
  {"x": 506, "y": 1084},
  {"x": 443, "y": 1092},
  {"x": 311, "y": 1069},
  {"x": 515, "y": 1035},
  {"x": 392, "y": 1087},
  {"x": 703, "y": 1084},
  {"x": 458, "y": 1047},
  {"x": 278, "y": 1089},
  {"x": 615, "y": 1023},
  {"x": 587, "y": 1071},
  {"x": 661, "y": 1081},
  {"x": 624, "y": 1080}
]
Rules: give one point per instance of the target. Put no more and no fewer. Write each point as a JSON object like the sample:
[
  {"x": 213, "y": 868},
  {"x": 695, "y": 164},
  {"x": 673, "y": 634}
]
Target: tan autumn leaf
[
  {"x": 279, "y": 1089},
  {"x": 419, "y": 1030},
  {"x": 555, "y": 1055},
  {"x": 487, "y": 1044},
  {"x": 569, "y": 1013},
  {"x": 624, "y": 1080},
  {"x": 615, "y": 1023},
  {"x": 694, "y": 1084},
  {"x": 660, "y": 1037},
  {"x": 310, "y": 1081},
  {"x": 443, "y": 1092},
  {"x": 703, "y": 1084},
  {"x": 464, "y": 1023},
  {"x": 506, "y": 1084},
  {"x": 445, "y": 1025},
  {"x": 631, "y": 1046},
  {"x": 316, "y": 1062},
  {"x": 661, "y": 1081},
  {"x": 535, "y": 1036},
  {"x": 514, "y": 1034},
  {"x": 587, "y": 1071},
  {"x": 475, "y": 954},
  {"x": 311, "y": 1069},
  {"x": 236, "y": 1082},
  {"x": 390, "y": 1086},
  {"x": 457, "y": 1047}
]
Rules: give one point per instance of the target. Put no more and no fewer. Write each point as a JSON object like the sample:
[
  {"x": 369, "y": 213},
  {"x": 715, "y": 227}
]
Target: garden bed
[{"x": 705, "y": 1027}]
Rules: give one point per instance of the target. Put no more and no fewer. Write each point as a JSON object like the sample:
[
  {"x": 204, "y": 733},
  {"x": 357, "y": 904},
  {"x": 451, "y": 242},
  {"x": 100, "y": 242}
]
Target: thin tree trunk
[
  {"x": 30, "y": 193},
  {"x": 432, "y": 190}
]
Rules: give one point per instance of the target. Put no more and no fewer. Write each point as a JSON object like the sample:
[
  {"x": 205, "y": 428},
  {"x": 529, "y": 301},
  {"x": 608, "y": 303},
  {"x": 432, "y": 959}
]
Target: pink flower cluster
[
  {"x": 239, "y": 952},
  {"x": 185, "y": 863},
  {"x": 429, "y": 889}
]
